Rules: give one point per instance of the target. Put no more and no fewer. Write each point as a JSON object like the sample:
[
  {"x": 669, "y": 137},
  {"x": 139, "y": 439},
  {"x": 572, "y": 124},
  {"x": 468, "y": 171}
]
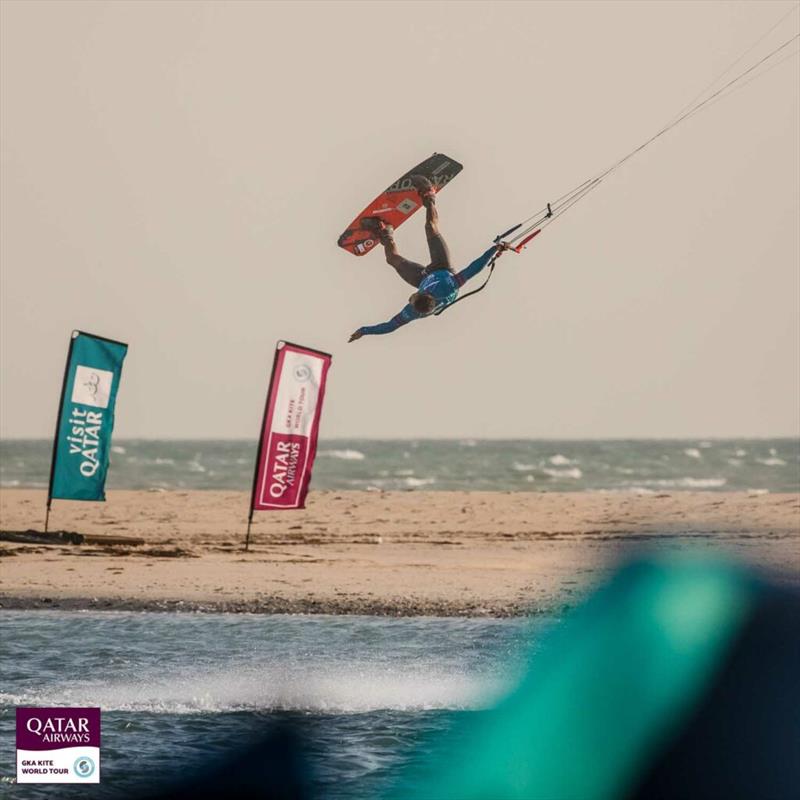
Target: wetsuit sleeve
[
  {"x": 476, "y": 266},
  {"x": 408, "y": 314}
]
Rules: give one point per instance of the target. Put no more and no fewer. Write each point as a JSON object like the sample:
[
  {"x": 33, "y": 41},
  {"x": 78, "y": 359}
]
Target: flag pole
[
  {"x": 278, "y": 346},
  {"x": 73, "y": 337},
  {"x": 247, "y": 537}
]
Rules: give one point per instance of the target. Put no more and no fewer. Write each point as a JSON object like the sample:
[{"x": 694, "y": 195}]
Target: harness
[{"x": 491, "y": 265}]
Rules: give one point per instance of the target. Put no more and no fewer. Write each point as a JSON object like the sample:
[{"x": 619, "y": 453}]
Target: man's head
[{"x": 422, "y": 302}]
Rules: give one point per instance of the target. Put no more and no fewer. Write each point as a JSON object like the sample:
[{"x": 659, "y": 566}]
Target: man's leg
[
  {"x": 440, "y": 253},
  {"x": 409, "y": 271}
]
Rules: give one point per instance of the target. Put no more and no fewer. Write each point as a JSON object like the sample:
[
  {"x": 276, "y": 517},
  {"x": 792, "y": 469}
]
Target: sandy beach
[{"x": 393, "y": 553}]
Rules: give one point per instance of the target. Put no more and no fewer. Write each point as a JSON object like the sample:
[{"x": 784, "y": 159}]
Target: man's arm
[
  {"x": 407, "y": 315},
  {"x": 477, "y": 265}
]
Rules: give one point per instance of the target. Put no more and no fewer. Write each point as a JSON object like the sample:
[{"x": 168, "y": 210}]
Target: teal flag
[{"x": 86, "y": 418}]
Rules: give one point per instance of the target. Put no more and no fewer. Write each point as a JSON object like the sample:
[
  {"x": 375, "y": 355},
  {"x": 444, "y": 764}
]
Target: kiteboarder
[{"x": 437, "y": 284}]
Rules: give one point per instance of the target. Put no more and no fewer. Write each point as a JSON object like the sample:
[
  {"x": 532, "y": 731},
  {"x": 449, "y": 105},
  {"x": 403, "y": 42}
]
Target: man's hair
[{"x": 424, "y": 303}]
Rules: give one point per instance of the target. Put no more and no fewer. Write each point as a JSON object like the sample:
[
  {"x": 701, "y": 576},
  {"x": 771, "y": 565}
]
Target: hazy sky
[{"x": 176, "y": 175}]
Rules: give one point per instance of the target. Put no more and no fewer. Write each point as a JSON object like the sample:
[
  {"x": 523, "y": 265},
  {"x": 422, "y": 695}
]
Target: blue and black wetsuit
[{"x": 441, "y": 284}]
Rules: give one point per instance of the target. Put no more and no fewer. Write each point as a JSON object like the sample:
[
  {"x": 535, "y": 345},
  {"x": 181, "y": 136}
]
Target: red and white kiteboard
[{"x": 400, "y": 201}]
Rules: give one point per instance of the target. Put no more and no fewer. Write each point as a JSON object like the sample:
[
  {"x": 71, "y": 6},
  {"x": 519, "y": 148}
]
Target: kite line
[
  {"x": 526, "y": 230},
  {"x": 518, "y": 236}
]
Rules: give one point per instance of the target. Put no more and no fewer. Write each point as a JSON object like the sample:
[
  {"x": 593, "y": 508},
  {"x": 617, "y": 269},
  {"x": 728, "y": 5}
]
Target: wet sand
[{"x": 397, "y": 553}]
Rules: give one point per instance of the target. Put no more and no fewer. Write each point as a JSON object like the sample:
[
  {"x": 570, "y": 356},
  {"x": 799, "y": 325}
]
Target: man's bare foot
[
  {"x": 376, "y": 225},
  {"x": 425, "y": 189}
]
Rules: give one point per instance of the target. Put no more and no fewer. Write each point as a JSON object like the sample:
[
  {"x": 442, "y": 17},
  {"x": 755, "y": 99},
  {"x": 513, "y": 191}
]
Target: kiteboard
[{"x": 400, "y": 201}]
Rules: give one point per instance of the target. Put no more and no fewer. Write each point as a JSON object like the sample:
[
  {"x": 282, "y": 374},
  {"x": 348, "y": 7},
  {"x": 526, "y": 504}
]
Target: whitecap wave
[
  {"x": 574, "y": 473},
  {"x": 520, "y": 467},
  {"x": 415, "y": 483},
  {"x": 117, "y": 449},
  {"x": 772, "y": 461},
  {"x": 560, "y": 461},
  {"x": 693, "y": 452},
  {"x": 345, "y": 455}
]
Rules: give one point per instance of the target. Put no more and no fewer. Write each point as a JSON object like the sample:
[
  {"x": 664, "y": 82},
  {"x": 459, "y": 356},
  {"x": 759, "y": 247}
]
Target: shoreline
[
  {"x": 497, "y": 554},
  {"x": 277, "y": 605}
]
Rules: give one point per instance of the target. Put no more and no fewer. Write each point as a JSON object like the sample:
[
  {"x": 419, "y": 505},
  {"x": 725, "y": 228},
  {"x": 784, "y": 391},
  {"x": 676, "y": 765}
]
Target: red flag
[{"x": 291, "y": 425}]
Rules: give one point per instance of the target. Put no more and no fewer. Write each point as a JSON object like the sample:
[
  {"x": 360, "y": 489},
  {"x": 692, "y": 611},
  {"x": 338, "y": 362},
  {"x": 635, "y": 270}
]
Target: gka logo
[
  {"x": 84, "y": 767},
  {"x": 302, "y": 373}
]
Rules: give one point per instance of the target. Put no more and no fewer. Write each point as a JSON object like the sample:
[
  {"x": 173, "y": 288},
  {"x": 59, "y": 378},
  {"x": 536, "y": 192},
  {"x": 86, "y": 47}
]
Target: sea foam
[
  {"x": 333, "y": 688},
  {"x": 345, "y": 455}
]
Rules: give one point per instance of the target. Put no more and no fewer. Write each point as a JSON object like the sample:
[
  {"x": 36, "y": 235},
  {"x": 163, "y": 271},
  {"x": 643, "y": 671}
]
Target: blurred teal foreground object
[{"x": 605, "y": 697}]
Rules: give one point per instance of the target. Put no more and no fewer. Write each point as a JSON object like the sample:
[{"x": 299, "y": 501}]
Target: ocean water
[
  {"x": 764, "y": 465},
  {"x": 178, "y": 689}
]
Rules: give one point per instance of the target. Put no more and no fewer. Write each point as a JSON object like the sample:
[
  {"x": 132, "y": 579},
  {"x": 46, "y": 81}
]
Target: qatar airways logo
[
  {"x": 284, "y": 461},
  {"x": 59, "y": 730}
]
